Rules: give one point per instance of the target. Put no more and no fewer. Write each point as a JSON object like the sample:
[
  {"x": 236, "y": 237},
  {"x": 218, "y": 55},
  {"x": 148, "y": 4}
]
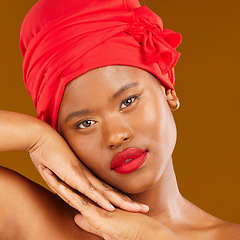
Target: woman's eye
[
  {"x": 85, "y": 124},
  {"x": 127, "y": 102}
]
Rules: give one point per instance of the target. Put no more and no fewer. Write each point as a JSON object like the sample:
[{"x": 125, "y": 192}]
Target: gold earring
[{"x": 174, "y": 108}]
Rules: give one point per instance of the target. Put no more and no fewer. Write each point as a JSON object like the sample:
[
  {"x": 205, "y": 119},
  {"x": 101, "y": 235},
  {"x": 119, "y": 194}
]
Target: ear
[
  {"x": 163, "y": 89},
  {"x": 171, "y": 97}
]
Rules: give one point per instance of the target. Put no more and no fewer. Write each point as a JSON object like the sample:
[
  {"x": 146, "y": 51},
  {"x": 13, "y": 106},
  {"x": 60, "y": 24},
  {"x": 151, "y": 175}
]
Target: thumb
[
  {"x": 82, "y": 223},
  {"x": 85, "y": 225}
]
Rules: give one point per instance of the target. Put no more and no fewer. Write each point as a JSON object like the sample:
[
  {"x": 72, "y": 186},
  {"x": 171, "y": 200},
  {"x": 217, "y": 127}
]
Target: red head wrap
[{"x": 62, "y": 39}]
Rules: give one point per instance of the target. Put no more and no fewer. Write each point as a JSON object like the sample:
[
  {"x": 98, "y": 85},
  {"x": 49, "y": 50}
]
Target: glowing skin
[
  {"x": 116, "y": 120},
  {"x": 137, "y": 117},
  {"x": 108, "y": 110},
  {"x": 112, "y": 111}
]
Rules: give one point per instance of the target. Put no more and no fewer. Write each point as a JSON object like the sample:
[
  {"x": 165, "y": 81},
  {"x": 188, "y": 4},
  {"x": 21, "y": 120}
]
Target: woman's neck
[{"x": 163, "y": 198}]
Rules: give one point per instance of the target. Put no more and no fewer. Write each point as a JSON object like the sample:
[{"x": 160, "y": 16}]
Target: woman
[{"x": 122, "y": 113}]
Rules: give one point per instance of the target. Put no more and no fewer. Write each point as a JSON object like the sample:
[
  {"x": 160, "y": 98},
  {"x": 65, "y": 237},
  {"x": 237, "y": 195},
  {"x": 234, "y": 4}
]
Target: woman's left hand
[{"x": 117, "y": 225}]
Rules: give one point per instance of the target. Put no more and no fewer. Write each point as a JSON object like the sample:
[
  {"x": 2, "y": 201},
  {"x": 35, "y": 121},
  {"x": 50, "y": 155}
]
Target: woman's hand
[
  {"x": 117, "y": 225},
  {"x": 52, "y": 151},
  {"x": 49, "y": 150}
]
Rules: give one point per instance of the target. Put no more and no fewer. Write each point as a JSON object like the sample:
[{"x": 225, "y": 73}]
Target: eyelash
[
  {"x": 132, "y": 97},
  {"x": 82, "y": 122},
  {"x": 121, "y": 108}
]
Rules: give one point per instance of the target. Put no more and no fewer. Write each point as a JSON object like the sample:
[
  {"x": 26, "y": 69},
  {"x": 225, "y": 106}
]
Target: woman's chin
[{"x": 134, "y": 187}]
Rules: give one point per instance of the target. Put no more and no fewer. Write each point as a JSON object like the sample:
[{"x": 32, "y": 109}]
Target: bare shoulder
[
  {"x": 29, "y": 211},
  {"x": 226, "y": 231}
]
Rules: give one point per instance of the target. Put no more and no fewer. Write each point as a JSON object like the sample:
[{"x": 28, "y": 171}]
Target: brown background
[{"x": 207, "y": 156}]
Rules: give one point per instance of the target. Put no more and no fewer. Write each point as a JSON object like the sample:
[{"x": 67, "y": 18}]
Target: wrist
[
  {"x": 37, "y": 130},
  {"x": 19, "y": 132}
]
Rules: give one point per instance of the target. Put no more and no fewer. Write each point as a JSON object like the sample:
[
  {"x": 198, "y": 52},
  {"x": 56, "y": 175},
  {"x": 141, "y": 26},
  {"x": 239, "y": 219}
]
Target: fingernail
[
  {"x": 144, "y": 207},
  {"x": 136, "y": 206},
  {"x": 112, "y": 208}
]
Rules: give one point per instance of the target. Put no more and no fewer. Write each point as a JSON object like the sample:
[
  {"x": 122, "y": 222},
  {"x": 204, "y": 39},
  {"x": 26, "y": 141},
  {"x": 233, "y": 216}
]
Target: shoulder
[
  {"x": 227, "y": 230},
  {"x": 29, "y": 211}
]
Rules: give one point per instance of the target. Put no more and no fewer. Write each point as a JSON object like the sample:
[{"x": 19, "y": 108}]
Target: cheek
[
  {"x": 166, "y": 131},
  {"x": 154, "y": 115},
  {"x": 156, "y": 124},
  {"x": 90, "y": 151},
  {"x": 85, "y": 147}
]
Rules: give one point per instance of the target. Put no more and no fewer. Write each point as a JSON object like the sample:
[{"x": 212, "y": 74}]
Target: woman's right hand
[
  {"x": 49, "y": 150},
  {"x": 52, "y": 152},
  {"x": 116, "y": 225}
]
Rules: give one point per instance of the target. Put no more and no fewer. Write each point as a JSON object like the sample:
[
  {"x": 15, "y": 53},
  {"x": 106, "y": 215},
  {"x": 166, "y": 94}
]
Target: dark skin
[
  {"x": 145, "y": 121},
  {"x": 114, "y": 125}
]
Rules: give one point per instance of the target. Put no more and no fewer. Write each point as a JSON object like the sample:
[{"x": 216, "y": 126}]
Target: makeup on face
[
  {"x": 117, "y": 122},
  {"x": 83, "y": 112},
  {"x": 129, "y": 160}
]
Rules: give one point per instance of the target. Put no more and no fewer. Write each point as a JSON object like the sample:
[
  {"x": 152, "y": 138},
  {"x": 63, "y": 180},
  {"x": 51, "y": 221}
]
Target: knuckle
[
  {"x": 83, "y": 202},
  {"x": 106, "y": 187},
  {"x": 106, "y": 214},
  {"x": 91, "y": 187},
  {"x": 88, "y": 190},
  {"x": 68, "y": 201},
  {"x": 126, "y": 199}
]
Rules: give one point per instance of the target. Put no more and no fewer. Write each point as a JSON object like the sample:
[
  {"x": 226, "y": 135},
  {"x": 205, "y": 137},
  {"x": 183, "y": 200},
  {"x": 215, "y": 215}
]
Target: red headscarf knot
[{"x": 158, "y": 44}]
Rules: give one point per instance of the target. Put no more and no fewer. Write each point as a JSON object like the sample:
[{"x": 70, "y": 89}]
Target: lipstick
[{"x": 128, "y": 160}]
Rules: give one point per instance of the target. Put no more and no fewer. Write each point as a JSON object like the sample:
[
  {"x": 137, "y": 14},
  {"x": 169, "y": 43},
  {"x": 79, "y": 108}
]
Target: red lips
[{"x": 128, "y": 160}]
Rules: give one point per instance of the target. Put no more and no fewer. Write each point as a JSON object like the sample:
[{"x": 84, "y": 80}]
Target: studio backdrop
[{"x": 207, "y": 154}]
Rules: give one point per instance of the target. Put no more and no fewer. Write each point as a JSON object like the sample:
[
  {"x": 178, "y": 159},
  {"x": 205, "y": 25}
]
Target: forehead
[
  {"x": 101, "y": 88},
  {"x": 107, "y": 79}
]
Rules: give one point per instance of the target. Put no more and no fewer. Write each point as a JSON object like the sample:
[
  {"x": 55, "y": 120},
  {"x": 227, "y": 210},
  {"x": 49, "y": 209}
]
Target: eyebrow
[
  {"x": 124, "y": 88},
  {"x": 76, "y": 114},
  {"x": 115, "y": 95}
]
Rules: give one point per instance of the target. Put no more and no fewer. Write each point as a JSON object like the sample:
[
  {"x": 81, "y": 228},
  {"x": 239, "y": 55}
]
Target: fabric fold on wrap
[{"x": 90, "y": 37}]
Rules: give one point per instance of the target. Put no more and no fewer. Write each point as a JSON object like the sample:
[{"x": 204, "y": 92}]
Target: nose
[{"x": 115, "y": 132}]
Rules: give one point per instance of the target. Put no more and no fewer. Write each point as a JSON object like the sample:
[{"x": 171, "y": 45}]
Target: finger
[
  {"x": 120, "y": 200},
  {"x": 75, "y": 178},
  {"x": 117, "y": 198},
  {"x": 41, "y": 169},
  {"x": 82, "y": 223},
  {"x": 54, "y": 183},
  {"x": 70, "y": 171},
  {"x": 95, "y": 216},
  {"x": 102, "y": 222}
]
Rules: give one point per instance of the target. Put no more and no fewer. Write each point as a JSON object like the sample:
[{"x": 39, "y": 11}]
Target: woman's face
[{"x": 119, "y": 108}]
